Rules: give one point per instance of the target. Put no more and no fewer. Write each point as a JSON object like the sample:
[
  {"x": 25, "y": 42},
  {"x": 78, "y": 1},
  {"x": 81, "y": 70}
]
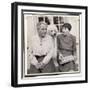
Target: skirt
[
  {"x": 48, "y": 68},
  {"x": 68, "y": 66}
]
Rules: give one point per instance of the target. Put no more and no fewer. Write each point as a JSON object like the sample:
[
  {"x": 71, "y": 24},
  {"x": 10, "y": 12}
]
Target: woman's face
[
  {"x": 65, "y": 31},
  {"x": 42, "y": 30}
]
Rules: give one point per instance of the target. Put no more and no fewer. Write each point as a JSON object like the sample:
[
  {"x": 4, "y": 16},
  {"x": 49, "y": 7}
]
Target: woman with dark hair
[{"x": 66, "y": 45}]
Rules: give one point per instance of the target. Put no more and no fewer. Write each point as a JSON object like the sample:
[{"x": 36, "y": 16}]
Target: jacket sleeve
[
  {"x": 74, "y": 45},
  {"x": 58, "y": 44}
]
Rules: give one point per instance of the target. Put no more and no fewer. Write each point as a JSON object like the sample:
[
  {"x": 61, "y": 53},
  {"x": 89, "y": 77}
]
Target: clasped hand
[
  {"x": 61, "y": 57},
  {"x": 40, "y": 65}
]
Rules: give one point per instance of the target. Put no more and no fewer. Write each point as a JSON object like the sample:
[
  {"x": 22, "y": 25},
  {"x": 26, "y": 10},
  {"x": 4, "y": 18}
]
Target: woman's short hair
[
  {"x": 67, "y": 25},
  {"x": 40, "y": 23}
]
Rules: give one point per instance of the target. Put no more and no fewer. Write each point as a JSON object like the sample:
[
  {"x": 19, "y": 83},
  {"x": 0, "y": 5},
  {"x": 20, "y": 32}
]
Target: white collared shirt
[{"x": 41, "y": 47}]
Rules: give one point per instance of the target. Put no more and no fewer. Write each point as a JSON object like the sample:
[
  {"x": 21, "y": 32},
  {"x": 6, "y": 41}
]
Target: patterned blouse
[{"x": 41, "y": 47}]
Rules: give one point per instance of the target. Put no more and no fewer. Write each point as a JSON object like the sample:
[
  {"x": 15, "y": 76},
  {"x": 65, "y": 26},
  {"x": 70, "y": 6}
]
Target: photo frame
[{"x": 31, "y": 58}]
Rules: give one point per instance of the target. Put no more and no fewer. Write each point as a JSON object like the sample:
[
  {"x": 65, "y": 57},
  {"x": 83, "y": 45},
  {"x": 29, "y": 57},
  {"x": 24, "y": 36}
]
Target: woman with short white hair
[{"x": 41, "y": 51}]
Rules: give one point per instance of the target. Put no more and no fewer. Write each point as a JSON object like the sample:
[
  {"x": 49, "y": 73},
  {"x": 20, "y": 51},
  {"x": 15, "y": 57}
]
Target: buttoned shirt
[{"x": 39, "y": 47}]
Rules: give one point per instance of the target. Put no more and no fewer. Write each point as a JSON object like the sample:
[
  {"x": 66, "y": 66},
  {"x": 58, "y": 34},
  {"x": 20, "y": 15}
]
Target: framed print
[{"x": 49, "y": 44}]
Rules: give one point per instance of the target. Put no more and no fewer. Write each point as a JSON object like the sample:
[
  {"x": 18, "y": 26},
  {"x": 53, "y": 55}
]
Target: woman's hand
[
  {"x": 61, "y": 57},
  {"x": 41, "y": 65},
  {"x": 75, "y": 58},
  {"x": 38, "y": 65}
]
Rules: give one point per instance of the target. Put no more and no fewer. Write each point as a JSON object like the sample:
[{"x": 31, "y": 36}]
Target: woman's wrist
[{"x": 42, "y": 65}]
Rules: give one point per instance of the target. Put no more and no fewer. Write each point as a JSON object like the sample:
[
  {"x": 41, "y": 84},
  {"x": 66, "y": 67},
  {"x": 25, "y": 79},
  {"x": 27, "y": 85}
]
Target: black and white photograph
[{"x": 51, "y": 44}]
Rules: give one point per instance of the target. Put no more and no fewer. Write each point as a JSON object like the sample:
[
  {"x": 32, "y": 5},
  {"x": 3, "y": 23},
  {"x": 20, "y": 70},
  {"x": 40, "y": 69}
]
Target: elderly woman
[{"x": 41, "y": 51}]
